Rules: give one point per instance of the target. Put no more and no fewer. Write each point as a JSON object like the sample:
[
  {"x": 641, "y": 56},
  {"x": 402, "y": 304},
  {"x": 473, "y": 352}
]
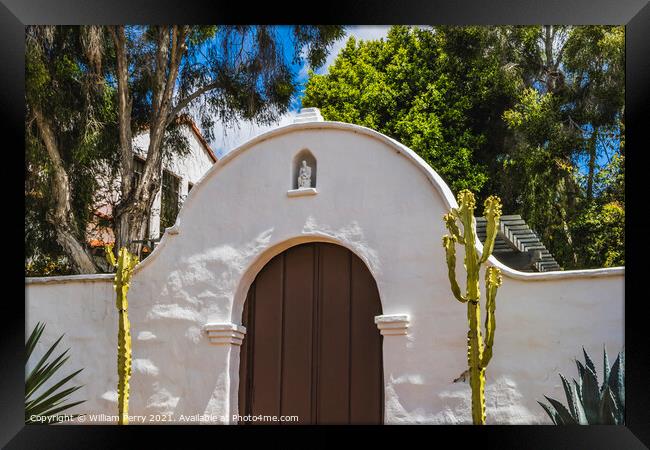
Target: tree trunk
[
  {"x": 562, "y": 213},
  {"x": 137, "y": 200},
  {"x": 61, "y": 216},
  {"x": 592, "y": 165}
]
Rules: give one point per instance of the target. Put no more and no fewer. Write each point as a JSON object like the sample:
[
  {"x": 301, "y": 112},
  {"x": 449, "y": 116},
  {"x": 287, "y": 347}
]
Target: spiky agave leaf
[
  {"x": 580, "y": 417},
  {"x": 35, "y": 376},
  {"x": 608, "y": 409},
  {"x": 565, "y": 415},
  {"x": 570, "y": 398},
  {"x": 552, "y": 413},
  {"x": 591, "y": 396},
  {"x": 33, "y": 403},
  {"x": 616, "y": 381},
  {"x": 589, "y": 364},
  {"x": 581, "y": 370},
  {"x": 605, "y": 369}
]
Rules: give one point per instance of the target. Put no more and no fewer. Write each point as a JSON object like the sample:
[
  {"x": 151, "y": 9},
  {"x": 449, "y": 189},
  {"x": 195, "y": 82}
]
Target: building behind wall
[{"x": 179, "y": 174}]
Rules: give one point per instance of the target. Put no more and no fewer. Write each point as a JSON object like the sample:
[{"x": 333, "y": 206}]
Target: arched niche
[{"x": 308, "y": 157}]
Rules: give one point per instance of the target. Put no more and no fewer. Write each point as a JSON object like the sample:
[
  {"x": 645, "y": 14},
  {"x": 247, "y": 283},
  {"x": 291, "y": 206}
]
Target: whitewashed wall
[{"x": 383, "y": 202}]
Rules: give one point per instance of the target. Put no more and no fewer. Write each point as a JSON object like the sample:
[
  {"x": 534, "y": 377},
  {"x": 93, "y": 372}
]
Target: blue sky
[{"x": 228, "y": 138}]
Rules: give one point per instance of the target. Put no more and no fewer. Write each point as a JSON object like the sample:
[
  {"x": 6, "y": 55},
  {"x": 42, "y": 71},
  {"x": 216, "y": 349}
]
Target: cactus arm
[
  {"x": 492, "y": 215},
  {"x": 492, "y": 283},
  {"x": 450, "y": 223},
  {"x": 108, "y": 250},
  {"x": 450, "y": 251},
  {"x": 465, "y": 215}
]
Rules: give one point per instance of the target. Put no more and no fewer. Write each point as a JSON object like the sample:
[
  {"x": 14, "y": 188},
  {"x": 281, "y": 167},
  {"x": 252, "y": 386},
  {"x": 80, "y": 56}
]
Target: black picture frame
[{"x": 635, "y": 14}]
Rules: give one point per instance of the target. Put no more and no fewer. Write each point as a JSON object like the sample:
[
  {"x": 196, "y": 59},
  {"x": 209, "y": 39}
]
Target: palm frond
[{"x": 51, "y": 402}]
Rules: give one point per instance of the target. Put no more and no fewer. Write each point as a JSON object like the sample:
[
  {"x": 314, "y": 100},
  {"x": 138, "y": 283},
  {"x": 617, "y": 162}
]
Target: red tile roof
[{"x": 186, "y": 119}]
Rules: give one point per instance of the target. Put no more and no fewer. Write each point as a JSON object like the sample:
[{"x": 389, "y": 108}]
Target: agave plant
[
  {"x": 587, "y": 403},
  {"x": 43, "y": 407}
]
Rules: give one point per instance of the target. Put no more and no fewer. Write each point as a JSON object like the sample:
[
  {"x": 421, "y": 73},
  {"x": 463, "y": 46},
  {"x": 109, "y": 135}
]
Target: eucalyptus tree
[
  {"x": 69, "y": 134},
  {"x": 227, "y": 73},
  {"x": 146, "y": 77}
]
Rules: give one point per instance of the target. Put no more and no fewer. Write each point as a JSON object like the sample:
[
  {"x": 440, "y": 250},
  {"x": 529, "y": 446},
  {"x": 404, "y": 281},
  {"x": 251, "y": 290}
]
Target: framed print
[{"x": 346, "y": 219}]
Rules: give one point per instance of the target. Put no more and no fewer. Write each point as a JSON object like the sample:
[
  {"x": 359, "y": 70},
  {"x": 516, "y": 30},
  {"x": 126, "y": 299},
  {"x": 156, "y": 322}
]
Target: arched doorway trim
[
  {"x": 313, "y": 349},
  {"x": 267, "y": 255}
]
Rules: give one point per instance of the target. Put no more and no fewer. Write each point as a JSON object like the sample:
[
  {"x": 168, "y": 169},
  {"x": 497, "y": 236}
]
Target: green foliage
[
  {"x": 47, "y": 403},
  {"x": 587, "y": 403},
  {"x": 402, "y": 87},
  {"x": 513, "y": 110},
  {"x": 245, "y": 67},
  {"x": 82, "y": 112},
  {"x": 479, "y": 353},
  {"x": 226, "y": 74},
  {"x": 124, "y": 266},
  {"x": 600, "y": 232}
]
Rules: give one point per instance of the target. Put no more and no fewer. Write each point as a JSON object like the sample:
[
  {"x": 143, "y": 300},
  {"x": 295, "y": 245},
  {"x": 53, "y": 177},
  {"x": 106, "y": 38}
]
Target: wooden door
[{"x": 312, "y": 348}]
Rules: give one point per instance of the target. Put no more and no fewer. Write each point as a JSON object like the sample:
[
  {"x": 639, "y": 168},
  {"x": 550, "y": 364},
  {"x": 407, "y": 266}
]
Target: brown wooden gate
[{"x": 312, "y": 348}]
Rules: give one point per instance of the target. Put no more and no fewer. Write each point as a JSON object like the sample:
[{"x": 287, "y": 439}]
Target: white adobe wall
[{"x": 380, "y": 200}]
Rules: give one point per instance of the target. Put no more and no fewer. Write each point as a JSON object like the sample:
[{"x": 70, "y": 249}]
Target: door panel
[
  {"x": 365, "y": 406},
  {"x": 265, "y": 394},
  {"x": 312, "y": 348},
  {"x": 298, "y": 317},
  {"x": 334, "y": 333}
]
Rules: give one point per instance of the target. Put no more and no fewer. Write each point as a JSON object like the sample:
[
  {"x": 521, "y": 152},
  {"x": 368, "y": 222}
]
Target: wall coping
[{"x": 85, "y": 278}]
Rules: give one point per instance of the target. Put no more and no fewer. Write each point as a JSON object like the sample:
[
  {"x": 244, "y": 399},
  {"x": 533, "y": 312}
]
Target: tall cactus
[
  {"x": 479, "y": 353},
  {"x": 123, "y": 271}
]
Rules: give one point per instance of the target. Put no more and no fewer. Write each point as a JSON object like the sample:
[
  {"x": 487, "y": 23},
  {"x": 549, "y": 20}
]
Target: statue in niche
[{"x": 304, "y": 176}]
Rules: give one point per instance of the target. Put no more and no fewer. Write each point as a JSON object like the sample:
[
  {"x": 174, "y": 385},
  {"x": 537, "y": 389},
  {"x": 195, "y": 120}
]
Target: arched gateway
[
  {"x": 312, "y": 349},
  {"x": 304, "y": 189}
]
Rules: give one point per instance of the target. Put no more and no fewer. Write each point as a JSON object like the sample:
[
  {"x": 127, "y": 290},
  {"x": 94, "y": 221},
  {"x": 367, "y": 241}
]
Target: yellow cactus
[
  {"x": 123, "y": 271},
  {"x": 479, "y": 353}
]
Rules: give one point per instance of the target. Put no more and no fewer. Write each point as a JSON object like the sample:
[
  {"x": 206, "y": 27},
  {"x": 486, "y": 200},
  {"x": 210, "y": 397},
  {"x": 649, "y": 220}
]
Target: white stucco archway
[
  {"x": 263, "y": 258},
  {"x": 384, "y": 203}
]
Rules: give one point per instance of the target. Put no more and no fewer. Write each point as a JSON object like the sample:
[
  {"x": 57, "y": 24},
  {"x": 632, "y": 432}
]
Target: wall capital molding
[
  {"x": 301, "y": 192},
  {"x": 393, "y": 324},
  {"x": 225, "y": 333}
]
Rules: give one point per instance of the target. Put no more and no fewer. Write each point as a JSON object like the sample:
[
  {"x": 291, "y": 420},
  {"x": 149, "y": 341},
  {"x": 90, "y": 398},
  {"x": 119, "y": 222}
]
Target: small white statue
[{"x": 304, "y": 176}]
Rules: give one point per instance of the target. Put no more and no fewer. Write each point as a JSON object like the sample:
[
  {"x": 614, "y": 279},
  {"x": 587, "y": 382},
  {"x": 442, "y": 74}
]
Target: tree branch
[
  {"x": 189, "y": 98},
  {"x": 125, "y": 104},
  {"x": 61, "y": 216}
]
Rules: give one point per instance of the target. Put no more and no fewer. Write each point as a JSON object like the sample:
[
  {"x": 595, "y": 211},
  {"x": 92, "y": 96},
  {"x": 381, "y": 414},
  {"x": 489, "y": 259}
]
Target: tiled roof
[{"x": 187, "y": 120}]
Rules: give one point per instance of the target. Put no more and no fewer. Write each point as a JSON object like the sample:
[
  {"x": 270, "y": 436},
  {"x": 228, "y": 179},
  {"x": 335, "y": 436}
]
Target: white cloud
[{"x": 226, "y": 139}]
